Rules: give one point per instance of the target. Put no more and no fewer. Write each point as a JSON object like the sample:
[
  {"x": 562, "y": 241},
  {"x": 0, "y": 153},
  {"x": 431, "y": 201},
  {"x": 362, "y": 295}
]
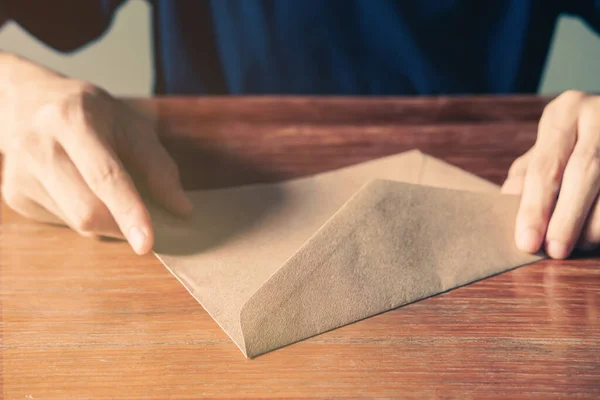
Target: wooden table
[{"x": 89, "y": 319}]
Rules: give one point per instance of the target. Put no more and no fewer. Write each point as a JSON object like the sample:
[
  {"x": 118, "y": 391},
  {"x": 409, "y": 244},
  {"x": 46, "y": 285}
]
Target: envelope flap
[{"x": 391, "y": 244}]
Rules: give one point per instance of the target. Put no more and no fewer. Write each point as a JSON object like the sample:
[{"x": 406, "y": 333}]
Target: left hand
[{"x": 559, "y": 179}]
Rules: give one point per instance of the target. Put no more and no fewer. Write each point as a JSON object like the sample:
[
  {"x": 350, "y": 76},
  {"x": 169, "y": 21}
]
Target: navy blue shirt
[{"x": 364, "y": 47}]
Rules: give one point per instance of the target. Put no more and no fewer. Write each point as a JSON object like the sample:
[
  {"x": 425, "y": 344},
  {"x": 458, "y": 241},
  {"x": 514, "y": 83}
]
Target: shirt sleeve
[
  {"x": 588, "y": 10},
  {"x": 65, "y": 25},
  {"x": 2, "y": 13}
]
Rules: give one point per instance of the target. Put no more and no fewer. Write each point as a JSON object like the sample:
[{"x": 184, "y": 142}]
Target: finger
[
  {"x": 555, "y": 142},
  {"x": 38, "y": 156},
  {"x": 519, "y": 166},
  {"x": 49, "y": 212},
  {"x": 579, "y": 188},
  {"x": 82, "y": 209},
  {"x": 513, "y": 185},
  {"x": 30, "y": 209},
  {"x": 539, "y": 191},
  {"x": 516, "y": 174},
  {"x": 14, "y": 187},
  {"x": 578, "y": 192},
  {"x": 106, "y": 177},
  {"x": 590, "y": 236},
  {"x": 150, "y": 162},
  {"x": 108, "y": 180}
]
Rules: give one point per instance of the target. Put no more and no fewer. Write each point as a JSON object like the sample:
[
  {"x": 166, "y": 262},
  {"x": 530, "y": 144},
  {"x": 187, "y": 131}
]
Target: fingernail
[
  {"x": 137, "y": 238},
  {"x": 529, "y": 240},
  {"x": 556, "y": 249}
]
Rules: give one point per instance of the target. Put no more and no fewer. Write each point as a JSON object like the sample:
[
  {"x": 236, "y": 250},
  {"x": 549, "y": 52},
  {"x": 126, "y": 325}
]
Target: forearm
[{"x": 3, "y": 15}]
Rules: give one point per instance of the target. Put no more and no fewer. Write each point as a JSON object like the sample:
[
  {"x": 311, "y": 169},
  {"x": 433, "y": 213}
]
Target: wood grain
[{"x": 88, "y": 319}]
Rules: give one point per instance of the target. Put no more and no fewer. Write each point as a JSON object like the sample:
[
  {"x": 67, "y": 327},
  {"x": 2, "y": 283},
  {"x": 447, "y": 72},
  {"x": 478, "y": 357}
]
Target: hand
[
  {"x": 559, "y": 179},
  {"x": 69, "y": 150}
]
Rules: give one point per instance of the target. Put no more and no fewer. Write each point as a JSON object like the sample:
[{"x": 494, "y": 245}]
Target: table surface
[{"x": 89, "y": 319}]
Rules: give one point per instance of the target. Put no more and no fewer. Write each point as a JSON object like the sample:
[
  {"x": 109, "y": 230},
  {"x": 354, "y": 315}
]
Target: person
[{"x": 71, "y": 152}]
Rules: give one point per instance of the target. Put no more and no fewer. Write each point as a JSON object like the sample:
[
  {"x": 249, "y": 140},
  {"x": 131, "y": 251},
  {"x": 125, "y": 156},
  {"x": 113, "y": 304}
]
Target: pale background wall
[{"x": 121, "y": 60}]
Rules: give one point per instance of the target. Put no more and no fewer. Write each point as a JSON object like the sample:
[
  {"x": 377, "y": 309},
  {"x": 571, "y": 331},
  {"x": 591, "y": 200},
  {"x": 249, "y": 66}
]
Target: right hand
[{"x": 70, "y": 152}]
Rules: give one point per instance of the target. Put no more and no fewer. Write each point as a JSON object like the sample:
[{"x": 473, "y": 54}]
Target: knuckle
[
  {"x": 593, "y": 102},
  {"x": 517, "y": 166},
  {"x": 586, "y": 159},
  {"x": 105, "y": 176},
  {"x": 72, "y": 107},
  {"x": 83, "y": 87},
  {"x": 87, "y": 218},
  {"x": 25, "y": 143},
  {"x": 127, "y": 209},
  {"x": 52, "y": 114},
  {"x": 590, "y": 115},
  {"x": 571, "y": 96},
  {"x": 53, "y": 118},
  {"x": 12, "y": 196},
  {"x": 548, "y": 170},
  {"x": 554, "y": 125},
  {"x": 79, "y": 98},
  {"x": 560, "y": 114},
  {"x": 37, "y": 152}
]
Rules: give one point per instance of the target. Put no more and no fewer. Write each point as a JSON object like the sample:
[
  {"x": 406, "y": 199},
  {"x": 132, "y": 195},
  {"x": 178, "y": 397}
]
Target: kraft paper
[{"x": 274, "y": 264}]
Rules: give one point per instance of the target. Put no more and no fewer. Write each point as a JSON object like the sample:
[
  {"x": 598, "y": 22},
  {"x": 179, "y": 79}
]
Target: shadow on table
[{"x": 219, "y": 215}]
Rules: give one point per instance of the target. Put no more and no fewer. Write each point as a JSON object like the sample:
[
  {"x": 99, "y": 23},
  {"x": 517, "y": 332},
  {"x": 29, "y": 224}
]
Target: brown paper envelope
[
  {"x": 241, "y": 241},
  {"x": 391, "y": 244}
]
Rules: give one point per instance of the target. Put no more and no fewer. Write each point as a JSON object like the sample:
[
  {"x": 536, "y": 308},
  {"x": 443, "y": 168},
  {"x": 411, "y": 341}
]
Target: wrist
[{"x": 16, "y": 72}]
